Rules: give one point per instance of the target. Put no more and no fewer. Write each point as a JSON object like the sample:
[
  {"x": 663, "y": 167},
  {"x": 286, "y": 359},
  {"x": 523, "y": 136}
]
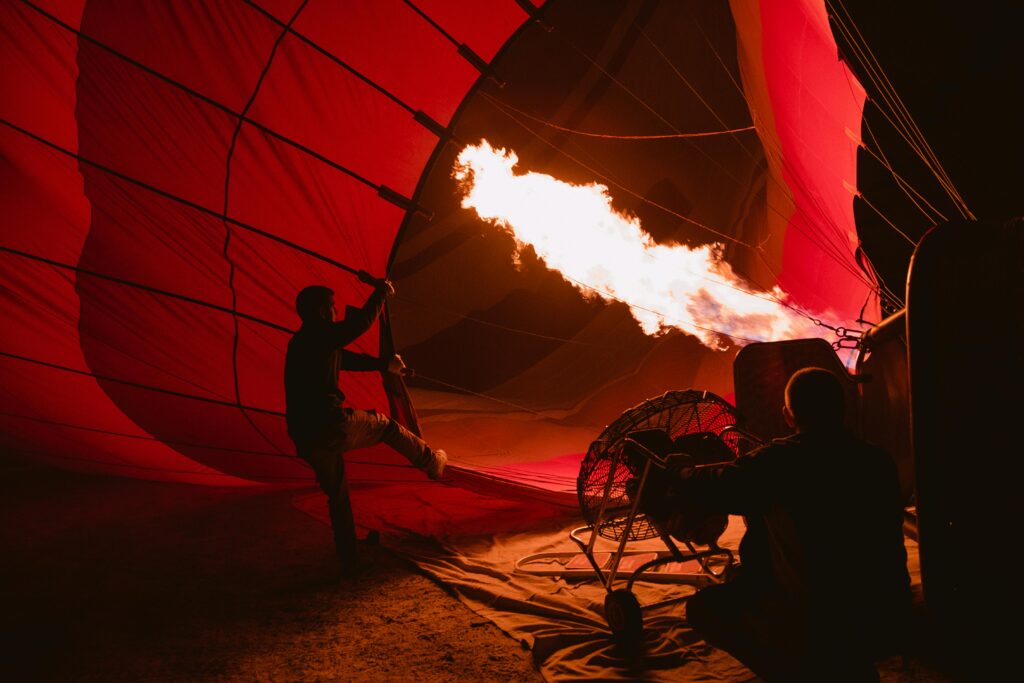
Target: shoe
[{"x": 436, "y": 467}]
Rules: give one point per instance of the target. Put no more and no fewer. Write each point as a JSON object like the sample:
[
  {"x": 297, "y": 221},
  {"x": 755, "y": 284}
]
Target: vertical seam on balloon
[{"x": 227, "y": 225}]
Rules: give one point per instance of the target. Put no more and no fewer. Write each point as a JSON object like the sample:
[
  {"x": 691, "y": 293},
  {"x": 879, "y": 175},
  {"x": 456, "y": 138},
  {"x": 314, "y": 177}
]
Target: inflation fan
[{"x": 636, "y": 456}]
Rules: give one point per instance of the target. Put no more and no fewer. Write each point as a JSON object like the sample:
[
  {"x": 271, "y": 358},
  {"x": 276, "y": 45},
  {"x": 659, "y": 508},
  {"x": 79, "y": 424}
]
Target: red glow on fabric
[
  {"x": 180, "y": 264},
  {"x": 814, "y": 106}
]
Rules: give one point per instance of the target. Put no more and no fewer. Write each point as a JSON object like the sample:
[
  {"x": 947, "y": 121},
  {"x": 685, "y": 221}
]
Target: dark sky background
[{"x": 960, "y": 71}]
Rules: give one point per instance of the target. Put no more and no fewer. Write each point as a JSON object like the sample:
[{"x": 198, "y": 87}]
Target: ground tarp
[{"x": 561, "y": 621}]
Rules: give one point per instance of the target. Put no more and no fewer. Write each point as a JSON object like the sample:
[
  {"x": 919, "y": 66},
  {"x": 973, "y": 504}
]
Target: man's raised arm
[{"x": 358, "y": 320}]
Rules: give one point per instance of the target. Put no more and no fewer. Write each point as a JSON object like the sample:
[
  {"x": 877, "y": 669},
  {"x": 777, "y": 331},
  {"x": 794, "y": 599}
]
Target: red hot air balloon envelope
[{"x": 175, "y": 172}]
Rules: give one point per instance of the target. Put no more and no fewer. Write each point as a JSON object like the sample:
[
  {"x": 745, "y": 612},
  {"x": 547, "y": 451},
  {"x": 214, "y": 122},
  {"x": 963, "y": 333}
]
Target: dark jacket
[
  {"x": 316, "y": 355},
  {"x": 824, "y": 523}
]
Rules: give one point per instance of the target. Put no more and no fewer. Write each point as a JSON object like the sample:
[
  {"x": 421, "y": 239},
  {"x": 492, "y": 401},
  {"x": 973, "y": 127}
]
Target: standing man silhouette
[{"x": 320, "y": 424}]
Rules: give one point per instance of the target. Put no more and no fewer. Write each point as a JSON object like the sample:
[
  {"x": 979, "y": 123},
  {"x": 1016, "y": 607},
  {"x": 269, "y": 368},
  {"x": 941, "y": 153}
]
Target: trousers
[
  {"x": 355, "y": 429},
  {"x": 762, "y": 629}
]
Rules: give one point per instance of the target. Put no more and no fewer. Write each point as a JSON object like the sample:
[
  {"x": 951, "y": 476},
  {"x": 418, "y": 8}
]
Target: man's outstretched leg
[{"x": 366, "y": 428}]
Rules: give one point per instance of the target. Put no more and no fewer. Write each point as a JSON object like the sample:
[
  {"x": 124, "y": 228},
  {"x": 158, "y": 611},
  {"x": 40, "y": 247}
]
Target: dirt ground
[{"x": 115, "y": 579}]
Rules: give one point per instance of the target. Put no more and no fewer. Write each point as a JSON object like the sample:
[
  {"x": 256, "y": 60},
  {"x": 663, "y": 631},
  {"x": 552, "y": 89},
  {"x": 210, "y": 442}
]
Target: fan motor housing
[{"x": 606, "y": 470}]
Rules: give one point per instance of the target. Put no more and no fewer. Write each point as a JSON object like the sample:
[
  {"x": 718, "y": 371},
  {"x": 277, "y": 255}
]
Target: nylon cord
[
  {"x": 901, "y": 182},
  {"x": 837, "y": 257},
  {"x": 902, "y": 108},
  {"x": 181, "y": 200},
  {"x": 613, "y": 182},
  {"x": 147, "y": 288},
  {"x": 589, "y": 134},
  {"x": 874, "y": 285},
  {"x": 904, "y": 122},
  {"x": 136, "y": 385},
  {"x": 289, "y": 28}
]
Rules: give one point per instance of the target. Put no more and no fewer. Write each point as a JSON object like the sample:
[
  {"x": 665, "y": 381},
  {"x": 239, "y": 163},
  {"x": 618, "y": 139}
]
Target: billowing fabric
[
  {"x": 291, "y": 119},
  {"x": 779, "y": 198},
  {"x": 174, "y": 173}
]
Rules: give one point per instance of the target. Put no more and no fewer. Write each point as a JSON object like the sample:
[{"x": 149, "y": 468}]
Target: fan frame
[{"x": 600, "y": 500}]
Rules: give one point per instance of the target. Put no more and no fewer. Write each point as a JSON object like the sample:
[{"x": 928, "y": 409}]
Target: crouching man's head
[{"x": 815, "y": 401}]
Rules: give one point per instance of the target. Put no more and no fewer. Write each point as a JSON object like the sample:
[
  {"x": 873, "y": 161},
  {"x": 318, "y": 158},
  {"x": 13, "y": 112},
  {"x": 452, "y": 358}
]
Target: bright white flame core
[{"x": 604, "y": 253}]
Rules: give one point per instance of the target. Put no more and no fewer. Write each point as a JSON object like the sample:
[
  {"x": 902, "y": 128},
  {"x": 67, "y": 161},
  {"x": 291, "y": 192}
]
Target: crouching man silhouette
[
  {"x": 320, "y": 424},
  {"x": 823, "y": 590}
]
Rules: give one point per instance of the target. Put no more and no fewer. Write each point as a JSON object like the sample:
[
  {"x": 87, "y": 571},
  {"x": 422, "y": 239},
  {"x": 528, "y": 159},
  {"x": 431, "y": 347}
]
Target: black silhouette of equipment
[{"x": 625, "y": 480}]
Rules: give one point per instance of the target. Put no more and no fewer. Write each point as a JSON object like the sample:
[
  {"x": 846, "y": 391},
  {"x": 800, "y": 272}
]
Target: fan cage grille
[{"x": 677, "y": 412}]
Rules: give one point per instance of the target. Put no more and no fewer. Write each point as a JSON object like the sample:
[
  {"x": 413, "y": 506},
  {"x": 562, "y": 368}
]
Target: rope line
[
  {"x": 647, "y": 106},
  {"x": 495, "y": 325},
  {"x": 665, "y": 136},
  {"x": 384, "y": 192},
  {"x": 330, "y": 55},
  {"x": 870, "y": 282},
  {"x": 433, "y": 23},
  {"x": 838, "y": 257},
  {"x": 518, "y": 407},
  {"x": 611, "y": 181},
  {"x": 814, "y": 234},
  {"x": 147, "y": 468},
  {"x": 619, "y": 185},
  {"x": 890, "y": 93},
  {"x": 900, "y": 180},
  {"x": 181, "y": 200},
  {"x": 615, "y": 183},
  {"x": 145, "y": 437},
  {"x": 902, "y": 120},
  {"x": 137, "y": 385},
  {"x": 188, "y": 444},
  {"x": 696, "y": 93},
  {"x": 912, "y": 243},
  {"x": 147, "y": 288}
]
